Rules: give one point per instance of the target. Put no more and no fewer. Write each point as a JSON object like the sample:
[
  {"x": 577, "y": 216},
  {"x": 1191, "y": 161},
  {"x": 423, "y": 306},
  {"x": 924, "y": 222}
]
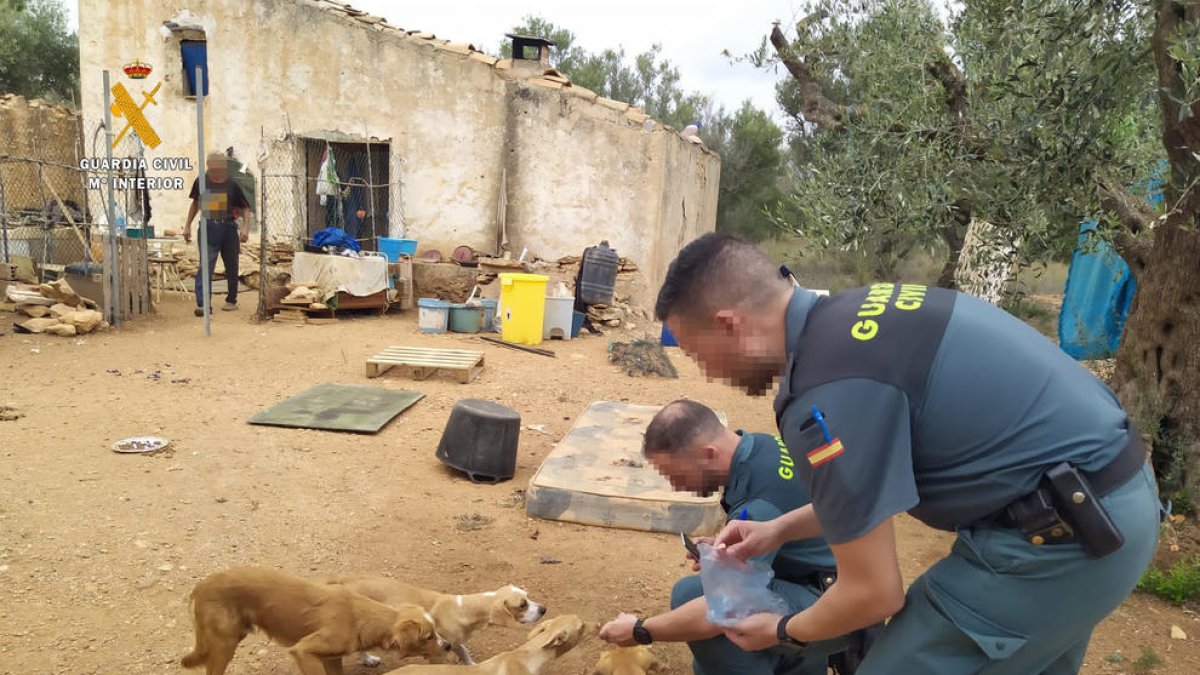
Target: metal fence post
[
  {"x": 202, "y": 182},
  {"x": 262, "y": 250},
  {"x": 112, "y": 276},
  {"x": 4, "y": 222}
]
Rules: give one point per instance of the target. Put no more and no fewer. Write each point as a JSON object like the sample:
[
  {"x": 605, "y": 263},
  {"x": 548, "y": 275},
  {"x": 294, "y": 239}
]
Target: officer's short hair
[
  {"x": 715, "y": 271},
  {"x": 679, "y": 427}
]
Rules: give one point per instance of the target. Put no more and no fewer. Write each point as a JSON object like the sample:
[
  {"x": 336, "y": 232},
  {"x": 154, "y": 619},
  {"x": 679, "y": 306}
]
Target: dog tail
[{"x": 199, "y": 654}]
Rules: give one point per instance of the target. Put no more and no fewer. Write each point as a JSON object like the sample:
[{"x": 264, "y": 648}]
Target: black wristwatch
[
  {"x": 782, "y": 634},
  {"x": 640, "y": 634}
]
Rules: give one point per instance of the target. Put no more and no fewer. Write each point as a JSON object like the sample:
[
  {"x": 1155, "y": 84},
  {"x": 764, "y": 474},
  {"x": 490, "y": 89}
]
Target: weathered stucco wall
[{"x": 578, "y": 170}]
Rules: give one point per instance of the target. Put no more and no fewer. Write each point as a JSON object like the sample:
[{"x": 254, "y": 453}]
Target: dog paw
[{"x": 371, "y": 660}]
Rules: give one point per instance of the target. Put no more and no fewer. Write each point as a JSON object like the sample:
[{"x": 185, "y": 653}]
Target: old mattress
[{"x": 597, "y": 476}]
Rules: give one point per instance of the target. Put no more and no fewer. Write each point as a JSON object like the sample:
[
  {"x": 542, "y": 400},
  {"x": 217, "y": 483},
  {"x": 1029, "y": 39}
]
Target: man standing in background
[{"x": 223, "y": 196}]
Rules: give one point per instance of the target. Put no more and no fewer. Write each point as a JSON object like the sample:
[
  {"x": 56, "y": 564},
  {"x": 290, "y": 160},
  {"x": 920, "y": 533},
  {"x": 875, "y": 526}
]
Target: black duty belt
[
  {"x": 1066, "y": 507},
  {"x": 803, "y": 574}
]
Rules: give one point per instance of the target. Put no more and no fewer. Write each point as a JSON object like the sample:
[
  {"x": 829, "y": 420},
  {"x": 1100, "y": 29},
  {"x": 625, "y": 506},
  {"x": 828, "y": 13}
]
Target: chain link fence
[{"x": 53, "y": 199}]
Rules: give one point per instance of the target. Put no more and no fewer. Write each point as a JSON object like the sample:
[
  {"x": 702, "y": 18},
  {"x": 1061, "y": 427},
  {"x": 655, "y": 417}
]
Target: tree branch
[
  {"x": 1131, "y": 211},
  {"x": 1135, "y": 219},
  {"x": 942, "y": 69},
  {"x": 814, "y": 105}
]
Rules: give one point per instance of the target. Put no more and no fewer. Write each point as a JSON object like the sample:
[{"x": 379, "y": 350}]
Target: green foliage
[
  {"x": 749, "y": 142},
  {"x": 1179, "y": 584},
  {"x": 1055, "y": 94},
  {"x": 750, "y": 145},
  {"x": 39, "y": 57},
  {"x": 1149, "y": 660}
]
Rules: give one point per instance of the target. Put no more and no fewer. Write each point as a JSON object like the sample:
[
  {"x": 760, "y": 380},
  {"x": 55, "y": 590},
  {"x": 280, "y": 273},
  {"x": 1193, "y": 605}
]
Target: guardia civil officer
[
  {"x": 687, "y": 443},
  {"x": 901, "y": 398}
]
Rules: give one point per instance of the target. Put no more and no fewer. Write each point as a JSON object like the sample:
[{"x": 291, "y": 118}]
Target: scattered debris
[
  {"x": 514, "y": 499},
  {"x": 549, "y": 560},
  {"x": 641, "y": 357},
  {"x": 141, "y": 444},
  {"x": 632, "y": 463},
  {"x": 113, "y": 371},
  {"x": 10, "y": 414},
  {"x": 533, "y": 535},
  {"x": 472, "y": 522},
  {"x": 1177, "y": 633},
  {"x": 540, "y": 428}
]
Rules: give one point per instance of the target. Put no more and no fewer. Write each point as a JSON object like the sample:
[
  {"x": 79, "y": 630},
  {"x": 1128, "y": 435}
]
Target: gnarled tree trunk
[{"x": 1158, "y": 364}]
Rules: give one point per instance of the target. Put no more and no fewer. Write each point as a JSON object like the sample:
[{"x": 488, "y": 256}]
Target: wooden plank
[
  {"x": 433, "y": 350},
  {"x": 430, "y": 355}
]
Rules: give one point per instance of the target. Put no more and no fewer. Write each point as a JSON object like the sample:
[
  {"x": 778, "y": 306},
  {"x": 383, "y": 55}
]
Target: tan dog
[
  {"x": 456, "y": 617},
  {"x": 319, "y": 623},
  {"x": 548, "y": 641},
  {"x": 637, "y": 660}
]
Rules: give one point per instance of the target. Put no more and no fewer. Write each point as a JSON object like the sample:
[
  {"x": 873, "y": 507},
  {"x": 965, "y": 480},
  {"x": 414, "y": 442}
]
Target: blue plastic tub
[
  {"x": 577, "y": 323},
  {"x": 392, "y": 248},
  {"x": 433, "y": 315},
  {"x": 489, "y": 315}
]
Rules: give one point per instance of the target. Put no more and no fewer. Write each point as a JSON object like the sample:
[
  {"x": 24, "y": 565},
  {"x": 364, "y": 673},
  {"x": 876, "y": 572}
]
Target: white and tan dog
[
  {"x": 637, "y": 660},
  {"x": 548, "y": 641},
  {"x": 318, "y": 623},
  {"x": 456, "y": 617}
]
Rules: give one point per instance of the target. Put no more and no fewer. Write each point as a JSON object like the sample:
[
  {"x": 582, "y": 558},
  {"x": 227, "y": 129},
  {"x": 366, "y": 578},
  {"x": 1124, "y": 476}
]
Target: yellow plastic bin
[{"x": 523, "y": 306}]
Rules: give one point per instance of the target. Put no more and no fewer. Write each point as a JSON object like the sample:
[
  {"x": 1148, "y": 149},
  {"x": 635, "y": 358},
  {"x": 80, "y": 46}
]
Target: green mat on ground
[{"x": 339, "y": 407}]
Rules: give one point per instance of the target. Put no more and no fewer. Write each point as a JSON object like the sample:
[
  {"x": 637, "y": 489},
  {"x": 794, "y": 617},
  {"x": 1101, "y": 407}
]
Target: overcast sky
[{"x": 691, "y": 36}]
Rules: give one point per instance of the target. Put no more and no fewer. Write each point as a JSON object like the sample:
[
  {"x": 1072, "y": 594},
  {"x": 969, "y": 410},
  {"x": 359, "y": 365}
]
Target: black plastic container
[
  {"x": 481, "y": 440},
  {"x": 598, "y": 274}
]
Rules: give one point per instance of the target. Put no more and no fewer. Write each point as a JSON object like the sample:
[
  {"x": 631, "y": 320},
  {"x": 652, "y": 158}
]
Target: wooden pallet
[{"x": 421, "y": 362}]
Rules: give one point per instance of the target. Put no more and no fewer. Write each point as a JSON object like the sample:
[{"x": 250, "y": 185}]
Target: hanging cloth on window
[{"x": 327, "y": 178}]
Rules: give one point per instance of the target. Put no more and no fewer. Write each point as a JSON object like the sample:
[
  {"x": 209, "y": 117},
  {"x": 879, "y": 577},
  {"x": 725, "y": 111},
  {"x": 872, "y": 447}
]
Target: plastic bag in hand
[{"x": 735, "y": 589}]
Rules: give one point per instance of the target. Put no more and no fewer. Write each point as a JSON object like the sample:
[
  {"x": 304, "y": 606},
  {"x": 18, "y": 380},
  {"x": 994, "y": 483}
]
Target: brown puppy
[
  {"x": 319, "y": 623},
  {"x": 548, "y": 641},
  {"x": 637, "y": 660},
  {"x": 456, "y": 617}
]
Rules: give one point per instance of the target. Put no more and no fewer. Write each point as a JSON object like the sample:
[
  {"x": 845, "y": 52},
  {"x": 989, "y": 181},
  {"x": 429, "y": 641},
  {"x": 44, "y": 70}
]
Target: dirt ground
[{"x": 98, "y": 550}]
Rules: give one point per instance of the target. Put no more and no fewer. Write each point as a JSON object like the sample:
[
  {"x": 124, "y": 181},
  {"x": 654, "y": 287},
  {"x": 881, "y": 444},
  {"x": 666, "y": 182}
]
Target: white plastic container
[
  {"x": 557, "y": 319},
  {"x": 433, "y": 315}
]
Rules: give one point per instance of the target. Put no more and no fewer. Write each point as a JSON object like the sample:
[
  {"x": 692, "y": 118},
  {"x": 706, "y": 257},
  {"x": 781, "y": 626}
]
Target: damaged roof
[{"x": 550, "y": 78}]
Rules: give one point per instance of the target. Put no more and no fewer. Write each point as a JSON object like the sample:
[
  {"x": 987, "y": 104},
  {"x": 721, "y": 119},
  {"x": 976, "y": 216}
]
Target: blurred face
[
  {"x": 692, "y": 470},
  {"x": 217, "y": 170},
  {"x": 728, "y": 347}
]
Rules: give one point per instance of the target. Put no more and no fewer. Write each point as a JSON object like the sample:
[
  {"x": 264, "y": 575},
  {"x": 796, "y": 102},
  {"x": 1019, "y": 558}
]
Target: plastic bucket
[
  {"x": 433, "y": 315},
  {"x": 464, "y": 319},
  {"x": 667, "y": 339},
  {"x": 557, "y": 320},
  {"x": 523, "y": 302},
  {"x": 392, "y": 248},
  {"x": 489, "y": 314}
]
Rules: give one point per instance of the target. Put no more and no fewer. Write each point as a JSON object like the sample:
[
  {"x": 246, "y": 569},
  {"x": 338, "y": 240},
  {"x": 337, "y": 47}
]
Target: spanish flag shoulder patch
[{"x": 825, "y": 452}]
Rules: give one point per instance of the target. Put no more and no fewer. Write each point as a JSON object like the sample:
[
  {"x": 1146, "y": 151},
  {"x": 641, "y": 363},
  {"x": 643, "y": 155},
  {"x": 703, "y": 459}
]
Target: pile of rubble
[{"x": 54, "y": 308}]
